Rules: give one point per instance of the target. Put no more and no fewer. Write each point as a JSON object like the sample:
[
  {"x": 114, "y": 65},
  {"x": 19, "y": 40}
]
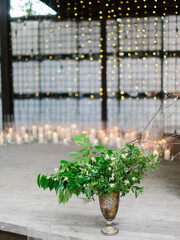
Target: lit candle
[
  {"x": 101, "y": 134},
  {"x": 105, "y": 141},
  {"x": 163, "y": 142},
  {"x": 22, "y": 130},
  {"x": 115, "y": 131},
  {"x": 73, "y": 129},
  {"x": 155, "y": 152},
  {"x": 127, "y": 137},
  {"x": 41, "y": 138},
  {"x": 40, "y": 130},
  {"x": 95, "y": 142},
  {"x": 68, "y": 134},
  {"x": 92, "y": 135},
  {"x": 49, "y": 135},
  {"x": 132, "y": 136},
  {"x": 34, "y": 131},
  {"x": 111, "y": 139},
  {"x": 46, "y": 130},
  {"x": 118, "y": 142},
  {"x": 9, "y": 138},
  {"x": 18, "y": 139},
  {"x": 31, "y": 138},
  {"x": 26, "y": 138},
  {"x": 46, "y": 127},
  {"x": 65, "y": 141},
  {"x": 1, "y": 141},
  {"x": 10, "y": 131},
  {"x": 167, "y": 154},
  {"x": 55, "y": 138},
  {"x": 59, "y": 128},
  {"x": 62, "y": 133}
]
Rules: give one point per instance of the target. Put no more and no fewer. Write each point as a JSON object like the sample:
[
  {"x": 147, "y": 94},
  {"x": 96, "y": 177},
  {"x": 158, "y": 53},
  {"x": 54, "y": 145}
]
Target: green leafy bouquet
[{"x": 99, "y": 170}]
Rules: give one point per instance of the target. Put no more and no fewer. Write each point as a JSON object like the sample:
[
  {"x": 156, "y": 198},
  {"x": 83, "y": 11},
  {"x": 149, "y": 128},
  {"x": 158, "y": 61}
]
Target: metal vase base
[
  {"x": 109, "y": 207},
  {"x": 109, "y": 231}
]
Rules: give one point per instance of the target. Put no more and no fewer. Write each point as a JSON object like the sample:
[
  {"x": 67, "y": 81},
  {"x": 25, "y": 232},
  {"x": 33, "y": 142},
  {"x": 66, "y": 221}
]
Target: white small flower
[
  {"x": 93, "y": 159},
  {"x": 109, "y": 168},
  {"x": 87, "y": 173},
  {"x": 84, "y": 185},
  {"x": 106, "y": 157},
  {"x": 126, "y": 169},
  {"x": 48, "y": 177},
  {"x": 66, "y": 178},
  {"x": 112, "y": 178},
  {"x": 112, "y": 164},
  {"x": 112, "y": 185},
  {"x": 56, "y": 170},
  {"x": 55, "y": 179},
  {"x": 123, "y": 156},
  {"x": 88, "y": 165},
  {"x": 113, "y": 158},
  {"x": 126, "y": 182},
  {"x": 134, "y": 179}
]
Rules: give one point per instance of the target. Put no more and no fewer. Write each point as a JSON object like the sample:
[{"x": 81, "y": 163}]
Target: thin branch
[
  {"x": 171, "y": 103},
  {"x": 175, "y": 156},
  {"x": 160, "y": 107}
]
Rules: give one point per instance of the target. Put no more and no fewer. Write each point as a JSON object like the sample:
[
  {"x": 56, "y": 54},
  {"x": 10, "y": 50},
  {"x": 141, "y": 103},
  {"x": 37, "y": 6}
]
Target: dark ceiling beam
[
  {"x": 50, "y": 3},
  {"x": 153, "y": 8}
]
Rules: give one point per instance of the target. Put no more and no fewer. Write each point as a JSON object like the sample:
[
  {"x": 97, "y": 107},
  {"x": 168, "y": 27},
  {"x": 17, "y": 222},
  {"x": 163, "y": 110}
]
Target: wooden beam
[
  {"x": 6, "y": 65},
  {"x": 103, "y": 65}
]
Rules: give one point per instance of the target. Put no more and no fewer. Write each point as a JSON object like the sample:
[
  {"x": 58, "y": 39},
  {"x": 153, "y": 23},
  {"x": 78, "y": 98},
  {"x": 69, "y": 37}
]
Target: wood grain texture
[{"x": 154, "y": 215}]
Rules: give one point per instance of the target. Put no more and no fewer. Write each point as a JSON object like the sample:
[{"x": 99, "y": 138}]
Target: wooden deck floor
[{"x": 154, "y": 215}]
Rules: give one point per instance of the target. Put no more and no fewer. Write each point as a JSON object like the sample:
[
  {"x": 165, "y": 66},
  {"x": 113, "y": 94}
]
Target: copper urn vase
[{"x": 109, "y": 207}]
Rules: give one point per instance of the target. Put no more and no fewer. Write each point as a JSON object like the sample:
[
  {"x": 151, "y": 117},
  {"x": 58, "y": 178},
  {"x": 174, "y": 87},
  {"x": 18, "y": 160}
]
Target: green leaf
[
  {"x": 87, "y": 145},
  {"x": 78, "y": 159},
  {"x": 38, "y": 180},
  {"x": 84, "y": 135},
  {"x": 148, "y": 154},
  {"x": 64, "y": 162},
  {"x": 99, "y": 147},
  {"x": 60, "y": 196},
  {"x": 82, "y": 150},
  {"x": 77, "y": 138},
  {"x": 136, "y": 194},
  {"x": 86, "y": 140},
  {"x": 109, "y": 152},
  {"x": 73, "y": 153},
  {"x": 87, "y": 191},
  {"x": 42, "y": 181}
]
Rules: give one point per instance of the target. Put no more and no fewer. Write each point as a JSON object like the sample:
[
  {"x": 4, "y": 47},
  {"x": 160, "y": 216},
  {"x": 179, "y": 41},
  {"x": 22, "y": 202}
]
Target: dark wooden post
[
  {"x": 6, "y": 65},
  {"x": 104, "y": 64}
]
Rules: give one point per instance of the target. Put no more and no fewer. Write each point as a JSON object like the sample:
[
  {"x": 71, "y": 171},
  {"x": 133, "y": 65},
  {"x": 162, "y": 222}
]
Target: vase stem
[
  {"x": 109, "y": 207},
  {"x": 109, "y": 223}
]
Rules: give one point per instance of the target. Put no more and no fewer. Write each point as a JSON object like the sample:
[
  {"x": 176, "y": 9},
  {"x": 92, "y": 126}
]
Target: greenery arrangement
[{"x": 99, "y": 170}]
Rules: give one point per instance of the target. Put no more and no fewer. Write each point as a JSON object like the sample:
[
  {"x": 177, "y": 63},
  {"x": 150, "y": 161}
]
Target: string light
[{"x": 134, "y": 53}]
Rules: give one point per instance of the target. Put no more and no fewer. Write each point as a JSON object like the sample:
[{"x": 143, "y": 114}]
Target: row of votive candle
[{"x": 44, "y": 134}]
